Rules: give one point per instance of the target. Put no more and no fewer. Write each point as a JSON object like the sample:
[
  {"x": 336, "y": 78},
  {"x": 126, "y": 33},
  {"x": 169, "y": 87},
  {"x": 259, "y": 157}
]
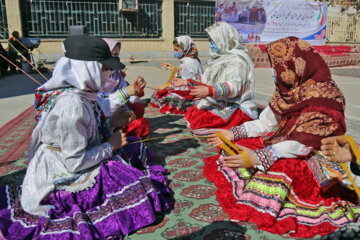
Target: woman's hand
[
  {"x": 199, "y": 91},
  {"x": 131, "y": 89},
  {"x": 118, "y": 140},
  {"x": 178, "y": 82},
  {"x": 168, "y": 66},
  {"x": 137, "y": 87},
  {"x": 140, "y": 82},
  {"x": 238, "y": 161},
  {"x": 119, "y": 119},
  {"x": 336, "y": 149},
  {"x": 216, "y": 141}
]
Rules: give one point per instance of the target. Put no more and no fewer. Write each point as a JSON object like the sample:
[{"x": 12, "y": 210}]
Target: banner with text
[{"x": 269, "y": 20}]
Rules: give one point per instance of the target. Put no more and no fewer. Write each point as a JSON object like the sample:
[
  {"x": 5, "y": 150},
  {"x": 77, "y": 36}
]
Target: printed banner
[{"x": 269, "y": 20}]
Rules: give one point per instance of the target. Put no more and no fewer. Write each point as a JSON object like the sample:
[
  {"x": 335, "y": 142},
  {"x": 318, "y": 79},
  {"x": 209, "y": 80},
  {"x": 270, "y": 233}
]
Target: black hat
[{"x": 87, "y": 48}]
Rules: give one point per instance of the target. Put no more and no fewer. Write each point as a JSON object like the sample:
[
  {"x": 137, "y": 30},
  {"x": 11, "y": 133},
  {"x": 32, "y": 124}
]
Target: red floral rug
[{"x": 14, "y": 139}]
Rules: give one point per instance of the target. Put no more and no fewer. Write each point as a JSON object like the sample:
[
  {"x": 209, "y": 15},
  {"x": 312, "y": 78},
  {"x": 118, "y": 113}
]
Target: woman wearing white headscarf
[
  {"x": 226, "y": 95},
  {"x": 79, "y": 184},
  {"x": 177, "y": 99}
]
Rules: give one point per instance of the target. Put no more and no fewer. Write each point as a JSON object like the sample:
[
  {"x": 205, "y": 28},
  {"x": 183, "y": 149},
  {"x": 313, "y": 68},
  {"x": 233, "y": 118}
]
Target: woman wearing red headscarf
[{"x": 290, "y": 188}]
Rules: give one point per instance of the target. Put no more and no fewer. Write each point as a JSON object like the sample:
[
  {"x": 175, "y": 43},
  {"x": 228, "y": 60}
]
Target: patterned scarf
[
  {"x": 188, "y": 47},
  {"x": 309, "y": 102},
  {"x": 44, "y": 100}
]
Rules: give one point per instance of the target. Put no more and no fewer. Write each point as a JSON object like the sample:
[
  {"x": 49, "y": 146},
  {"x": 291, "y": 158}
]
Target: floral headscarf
[
  {"x": 187, "y": 47},
  {"x": 309, "y": 102}
]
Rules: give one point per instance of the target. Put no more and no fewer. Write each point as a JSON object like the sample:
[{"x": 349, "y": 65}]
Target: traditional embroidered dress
[
  {"x": 140, "y": 127},
  {"x": 231, "y": 74},
  {"x": 294, "y": 191},
  {"x": 177, "y": 99},
  {"x": 75, "y": 186}
]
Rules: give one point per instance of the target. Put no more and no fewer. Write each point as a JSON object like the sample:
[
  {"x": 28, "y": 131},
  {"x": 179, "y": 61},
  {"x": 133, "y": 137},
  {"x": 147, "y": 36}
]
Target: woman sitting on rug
[
  {"x": 177, "y": 99},
  {"x": 83, "y": 180},
  {"x": 129, "y": 93},
  {"x": 227, "y": 90},
  {"x": 286, "y": 186}
]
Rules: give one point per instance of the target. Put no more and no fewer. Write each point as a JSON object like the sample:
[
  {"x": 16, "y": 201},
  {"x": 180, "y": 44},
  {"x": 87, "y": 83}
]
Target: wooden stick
[{"x": 228, "y": 146}]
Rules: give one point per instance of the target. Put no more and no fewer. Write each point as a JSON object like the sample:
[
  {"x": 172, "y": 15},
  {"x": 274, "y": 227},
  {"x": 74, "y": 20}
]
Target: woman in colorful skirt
[
  {"x": 226, "y": 93},
  {"x": 174, "y": 99},
  {"x": 83, "y": 180},
  {"x": 138, "y": 126},
  {"x": 285, "y": 185}
]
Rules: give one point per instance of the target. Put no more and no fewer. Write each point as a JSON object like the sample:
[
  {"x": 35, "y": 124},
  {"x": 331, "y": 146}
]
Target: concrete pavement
[{"x": 16, "y": 91}]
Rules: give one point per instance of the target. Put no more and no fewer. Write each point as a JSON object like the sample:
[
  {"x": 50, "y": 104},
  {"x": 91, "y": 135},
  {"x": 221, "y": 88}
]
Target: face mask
[
  {"x": 110, "y": 85},
  {"x": 213, "y": 48},
  {"x": 178, "y": 55},
  {"x": 104, "y": 75},
  {"x": 273, "y": 75}
]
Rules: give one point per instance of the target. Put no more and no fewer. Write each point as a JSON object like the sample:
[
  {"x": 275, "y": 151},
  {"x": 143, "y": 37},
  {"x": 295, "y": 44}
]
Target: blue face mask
[
  {"x": 213, "y": 48},
  {"x": 273, "y": 75},
  {"x": 178, "y": 55}
]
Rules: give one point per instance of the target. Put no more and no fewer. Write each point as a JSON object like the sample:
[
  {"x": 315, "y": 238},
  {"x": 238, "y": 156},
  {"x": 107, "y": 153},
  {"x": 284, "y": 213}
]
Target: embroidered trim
[
  {"x": 222, "y": 90},
  {"x": 123, "y": 95},
  {"x": 267, "y": 156},
  {"x": 212, "y": 92},
  {"x": 239, "y": 132},
  {"x": 44, "y": 101}
]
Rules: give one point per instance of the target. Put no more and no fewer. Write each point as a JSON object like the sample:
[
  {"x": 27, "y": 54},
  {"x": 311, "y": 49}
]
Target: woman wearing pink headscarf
[{"x": 139, "y": 126}]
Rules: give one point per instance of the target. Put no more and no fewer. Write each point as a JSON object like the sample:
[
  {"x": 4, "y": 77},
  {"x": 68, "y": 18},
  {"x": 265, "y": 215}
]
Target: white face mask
[
  {"x": 104, "y": 75},
  {"x": 109, "y": 86}
]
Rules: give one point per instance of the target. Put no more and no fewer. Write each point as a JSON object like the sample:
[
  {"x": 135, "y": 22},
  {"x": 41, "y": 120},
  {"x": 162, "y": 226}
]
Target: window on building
[
  {"x": 192, "y": 17},
  {"x": 3, "y": 20},
  {"x": 52, "y": 18}
]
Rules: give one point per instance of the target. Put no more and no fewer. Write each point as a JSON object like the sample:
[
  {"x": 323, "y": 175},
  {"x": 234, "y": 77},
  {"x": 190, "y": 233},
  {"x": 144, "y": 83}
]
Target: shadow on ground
[
  {"x": 169, "y": 127},
  {"x": 20, "y": 84},
  {"x": 223, "y": 230}
]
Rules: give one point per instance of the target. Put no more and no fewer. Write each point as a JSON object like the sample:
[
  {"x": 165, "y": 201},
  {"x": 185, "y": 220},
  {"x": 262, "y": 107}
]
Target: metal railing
[
  {"x": 51, "y": 19},
  {"x": 3, "y": 18},
  {"x": 193, "y": 17}
]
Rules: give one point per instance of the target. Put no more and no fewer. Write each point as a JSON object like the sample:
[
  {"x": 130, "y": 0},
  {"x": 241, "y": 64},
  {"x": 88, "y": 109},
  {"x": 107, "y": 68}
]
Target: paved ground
[{"x": 16, "y": 91}]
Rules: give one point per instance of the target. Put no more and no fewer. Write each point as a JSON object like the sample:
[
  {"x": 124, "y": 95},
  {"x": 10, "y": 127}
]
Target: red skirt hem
[
  {"x": 202, "y": 118},
  {"x": 264, "y": 221},
  {"x": 244, "y": 213}
]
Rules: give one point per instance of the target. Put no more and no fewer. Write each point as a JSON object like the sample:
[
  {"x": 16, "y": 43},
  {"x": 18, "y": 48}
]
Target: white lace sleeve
[{"x": 266, "y": 123}]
